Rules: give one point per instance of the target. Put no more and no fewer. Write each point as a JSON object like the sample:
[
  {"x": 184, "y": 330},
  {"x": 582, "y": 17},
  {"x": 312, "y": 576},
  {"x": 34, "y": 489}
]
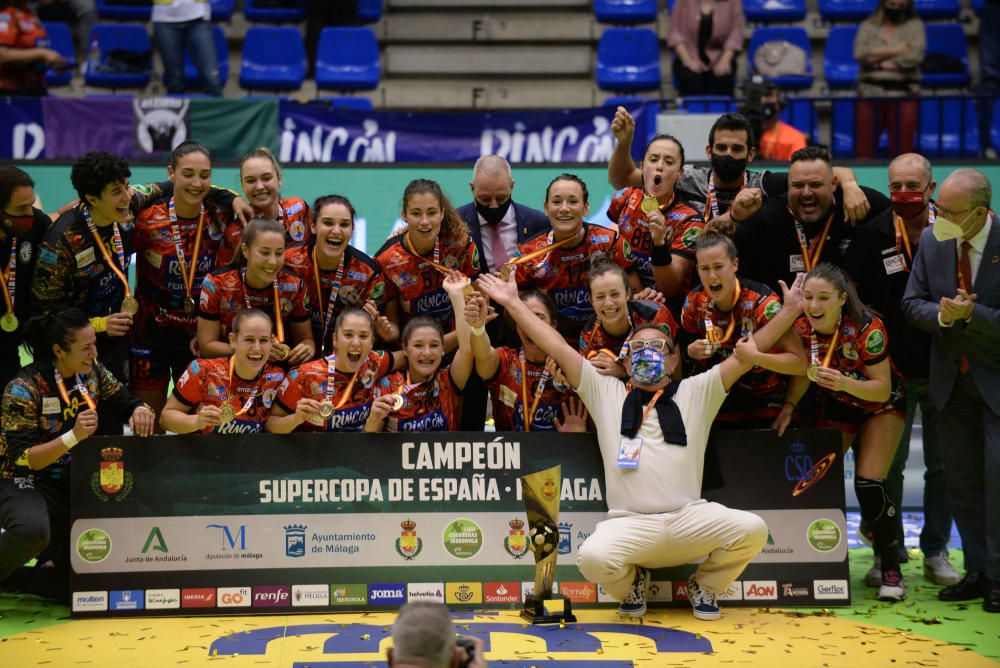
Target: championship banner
[
  {"x": 312, "y": 522},
  {"x": 317, "y": 132}
]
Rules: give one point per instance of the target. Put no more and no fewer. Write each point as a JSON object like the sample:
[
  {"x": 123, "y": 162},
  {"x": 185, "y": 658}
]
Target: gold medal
[
  {"x": 281, "y": 350},
  {"x": 468, "y": 289},
  {"x": 397, "y": 401},
  {"x": 8, "y": 322},
  {"x": 649, "y": 204},
  {"x": 505, "y": 272},
  {"x": 130, "y": 306},
  {"x": 812, "y": 372},
  {"x": 189, "y": 305},
  {"x": 325, "y": 409},
  {"x": 226, "y": 413}
]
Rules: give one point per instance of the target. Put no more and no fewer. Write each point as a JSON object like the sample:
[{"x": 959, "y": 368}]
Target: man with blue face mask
[
  {"x": 953, "y": 292},
  {"x": 652, "y": 434}
]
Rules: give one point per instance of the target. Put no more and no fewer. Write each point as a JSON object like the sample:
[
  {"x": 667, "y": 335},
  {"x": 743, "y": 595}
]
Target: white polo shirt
[{"x": 177, "y": 11}]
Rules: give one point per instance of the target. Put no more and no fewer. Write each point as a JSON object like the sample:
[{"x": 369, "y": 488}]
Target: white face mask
[{"x": 945, "y": 230}]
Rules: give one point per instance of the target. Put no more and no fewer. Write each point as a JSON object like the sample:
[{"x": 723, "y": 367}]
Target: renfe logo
[
  {"x": 198, "y": 598},
  {"x": 760, "y": 590},
  {"x": 272, "y": 597},
  {"x": 393, "y": 593},
  {"x": 234, "y": 597},
  {"x": 830, "y": 589}
]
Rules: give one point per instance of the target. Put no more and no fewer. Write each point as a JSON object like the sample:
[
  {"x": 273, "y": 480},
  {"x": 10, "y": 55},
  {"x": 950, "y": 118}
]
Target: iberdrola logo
[
  {"x": 113, "y": 481},
  {"x": 516, "y": 543},
  {"x": 408, "y": 545}
]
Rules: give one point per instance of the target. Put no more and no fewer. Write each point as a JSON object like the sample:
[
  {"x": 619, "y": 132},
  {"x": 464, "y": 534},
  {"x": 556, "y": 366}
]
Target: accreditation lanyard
[
  {"x": 631, "y": 446},
  {"x": 338, "y": 280},
  {"x": 550, "y": 245},
  {"x": 903, "y": 239},
  {"x": 9, "y": 281},
  {"x": 331, "y": 367},
  {"x": 711, "y": 331},
  {"x": 61, "y": 386},
  {"x": 435, "y": 262},
  {"x": 175, "y": 232},
  {"x": 712, "y": 200},
  {"x": 119, "y": 249},
  {"x": 811, "y": 252},
  {"x": 539, "y": 390},
  {"x": 814, "y": 347},
  {"x": 229, "y": 388},
  {"x": 279, "y": 325}
]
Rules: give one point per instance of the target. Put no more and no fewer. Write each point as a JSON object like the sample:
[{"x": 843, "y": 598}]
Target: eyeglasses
[{"x": 656, "y": 344}]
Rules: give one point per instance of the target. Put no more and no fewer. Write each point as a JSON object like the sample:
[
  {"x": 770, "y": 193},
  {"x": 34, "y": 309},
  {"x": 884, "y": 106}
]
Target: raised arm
[
  {"x": 487, "y": 359},
  {"x": 461, "y": 365},
  {"x": 622, "y": 171}
]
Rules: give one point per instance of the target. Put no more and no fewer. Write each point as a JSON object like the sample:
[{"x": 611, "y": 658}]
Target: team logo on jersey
[
  {"x": 297, "y": 229},
  {"x": 349, "y": 295},
  {"x": 516, "y": 543},
  {"x": 691, "y": 237},
  {"x": 451, "y": 261},
  {"x": 160, "y": 123},
  {"x": 408, "y": 545},
  {"x": 368, "y": 379},
  {"x": 112, "y": 481},
  {"x": 849, "y": 351},
  {"x": 874, "y": 342},
  {"x": 378, "y": 291}
]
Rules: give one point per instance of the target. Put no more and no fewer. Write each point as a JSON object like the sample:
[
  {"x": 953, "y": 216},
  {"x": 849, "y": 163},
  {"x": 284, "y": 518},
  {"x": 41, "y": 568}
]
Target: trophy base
[{"x": 555, "y": 610}]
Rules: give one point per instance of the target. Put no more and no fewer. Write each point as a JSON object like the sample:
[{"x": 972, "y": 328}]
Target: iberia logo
[
  {"x": 408, "y": 545},
  {"x": 516, "y": 543},
  {"x": 113, "y": 481},
  {"x": 549, "y": 489}
]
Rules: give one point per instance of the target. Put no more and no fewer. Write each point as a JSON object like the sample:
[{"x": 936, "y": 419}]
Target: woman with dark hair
[
  {"x": 255, "y": 279},
  {"x": 889, "y": 47},
  {"x": 859, "y": 391},
  {"x": 337, "y": 275},
  {"x": 24, "y": 52},
  {"x": 49, "y": 407}
]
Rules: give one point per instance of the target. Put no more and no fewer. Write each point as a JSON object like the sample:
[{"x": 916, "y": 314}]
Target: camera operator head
[
  {"x": 762, "y": 103},
  {"x": 424, "y": 637}
]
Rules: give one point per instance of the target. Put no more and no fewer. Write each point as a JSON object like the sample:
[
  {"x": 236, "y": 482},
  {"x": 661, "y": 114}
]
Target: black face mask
[
  {"x": 894, "y": 14},
  {"x": 768, "y": 111},
  {"x": 727, "y": 167},
  {"x": 493, "y": 214}
]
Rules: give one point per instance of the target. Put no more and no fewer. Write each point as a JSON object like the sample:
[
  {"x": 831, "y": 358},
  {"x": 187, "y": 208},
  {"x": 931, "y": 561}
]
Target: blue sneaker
[
  {"x": 703, "y": 603},
  {"x": 634, "y": 604}
]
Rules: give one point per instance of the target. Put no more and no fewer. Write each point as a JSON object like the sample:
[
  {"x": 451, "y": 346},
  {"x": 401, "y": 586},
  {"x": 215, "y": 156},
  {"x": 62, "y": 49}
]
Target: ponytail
[{"x": 54, "y": 328}]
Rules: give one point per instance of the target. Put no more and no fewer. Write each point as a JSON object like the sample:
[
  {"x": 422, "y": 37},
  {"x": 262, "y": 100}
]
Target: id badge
[
  {"x": 628, "y": 452},
  {"x": 796, "y": 263}
]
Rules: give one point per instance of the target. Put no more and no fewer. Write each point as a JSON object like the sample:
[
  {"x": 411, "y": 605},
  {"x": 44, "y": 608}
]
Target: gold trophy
[{"x": 541, "y": 503}]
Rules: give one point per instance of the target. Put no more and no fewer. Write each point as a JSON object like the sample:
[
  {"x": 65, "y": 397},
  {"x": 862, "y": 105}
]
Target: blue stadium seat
[
  {"x": 708, "y": 104},
  {"x": 977, "y": 7},
  {"x": 273, "y": 59},
  {"x": 126, "y": 37},
  {"x": 774, "y": 11},
  {"x": 369, "y": 11},
  {"x": 348, "y": 59},
  {"x": 948, "y": 128},
  {"x": 796, "y": 36},
  {"x": 842, "y": 128},
  {"x": 839, "y": 66},
  {"x": 800, "y": 113},
  {"x": 342, "y": 102},
  {"x": 937, "y": 9},
  {"x": 61, "y": 40},
  {"x": 293, "y": 13},
  {"x": 625, "y": 11},
  {"x": 222, "y": 10},
  {"x": 192, "y": 80},
  {"x": 947, "y": 39},
  {"x": 626, "y": 100},
  {"x": 113, "y": 12},
  {"x": 628, "y": 59},
  {"x": 846, "y": 10}
]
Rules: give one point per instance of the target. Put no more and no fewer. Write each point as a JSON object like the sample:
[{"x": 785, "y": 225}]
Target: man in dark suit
[
  {"x": 954, "y": 293},
  {"x": 497, "y": 225}
]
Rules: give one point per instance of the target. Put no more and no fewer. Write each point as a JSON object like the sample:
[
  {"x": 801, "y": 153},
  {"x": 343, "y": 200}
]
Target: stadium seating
[
  {"x": 341, "y": 102},
  {"x": 846, "y": 10},
  {"x": 947, "y": 39},
  {"x": 708, "y": 104},
  {"x": 774, "y": 11},
  {"x": 273, "y": 59},
  {"x": 256, "y": 13},
  {"x": 842, "y": 128},
  {"x": 61, "y": 40},
  {"x": 977, "y": 6},
  {"x": 794, "y": 35},
  {"x": 626, "y": 100},
  {"x": 801, "y": 114},
  {"x": 119, "y": 37},
  {"x": 369, "y": 11},
  {"x": 839, "y": 66},
  {"x": 628, "y": 59},
  {"x": 937, "y": 9},
  {"x": 222, "y": 10},
  {"x": 191, "y": 77},
  {"x": 625, "y": 11},
  {"x": 347, "y": 59},
  {"x": 948, "y": 128},
  {"x": 115, "y": 12}
]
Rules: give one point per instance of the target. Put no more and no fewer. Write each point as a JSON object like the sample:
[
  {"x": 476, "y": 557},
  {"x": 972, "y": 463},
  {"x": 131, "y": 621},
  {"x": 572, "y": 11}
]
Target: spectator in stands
[
  {"x": 779, "y": 140},
  {"x": 180, "y": 26},
  {"x": 706, "y": 35},
  {"x": 889, "y": 48},
  {"x": 424, "y": 637},
  {"x": 989, "y": 73},
  {"x": 80, "y": 14},
  {"x": 24, "y": 58},
  {"x": 323, "y": 13}
]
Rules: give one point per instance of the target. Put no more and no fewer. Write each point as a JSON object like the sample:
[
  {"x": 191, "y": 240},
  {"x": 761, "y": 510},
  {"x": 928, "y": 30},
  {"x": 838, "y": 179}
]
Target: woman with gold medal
[
  {"x": 228, "y": 395},
  {"x": 859, "y": 391}
]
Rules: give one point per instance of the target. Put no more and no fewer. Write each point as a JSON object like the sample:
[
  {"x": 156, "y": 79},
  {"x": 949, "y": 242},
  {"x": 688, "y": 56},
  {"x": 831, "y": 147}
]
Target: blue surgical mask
[{"x": 649, "y": 366}]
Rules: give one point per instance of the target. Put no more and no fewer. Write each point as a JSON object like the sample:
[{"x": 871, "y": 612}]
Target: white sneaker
[
  {"x": 873, "y": 578},
  {"x": 939, "y": 570},
  {"x": 634, "y": 604},
  {"x": 892, "y": 588}
]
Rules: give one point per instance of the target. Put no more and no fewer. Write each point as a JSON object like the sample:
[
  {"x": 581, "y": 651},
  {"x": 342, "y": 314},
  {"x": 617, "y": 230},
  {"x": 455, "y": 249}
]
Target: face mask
[
  {"x": 727, "y": 167},
  {"x": 20, "y": 225},
  {"x": 894, "y": 14},
  {"x": 493, "y": 214},
  {"x": 649, "y": 366},
  {"x": 769, "y": 111},
  {"x": 946, "y": 230},
  {"x": 908, "y": 204}
]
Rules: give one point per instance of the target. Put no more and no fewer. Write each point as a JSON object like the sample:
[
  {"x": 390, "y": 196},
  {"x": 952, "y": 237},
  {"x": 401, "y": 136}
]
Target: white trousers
[{"x": 729, "y": 539}]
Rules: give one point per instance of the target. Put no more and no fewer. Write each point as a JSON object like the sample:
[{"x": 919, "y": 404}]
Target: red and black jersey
[
  {"x": 20, "y": 29},
  {"x": 160, "y": 286},
  {"x": 507, "y": 394},
  {"x": 207, "y": 381},
  {"x": 434, "y": 405},
  {"x": 417, "y": 284},
  {"x": 309, "y": 381},
  {"x": 562, "y": 273},
  {"x": 754, "y": 308},
  {"x": 224, "y": 293},
  {"x": 294, "y": 216},
  {"x": 595, "y": 337},
  {"x": 858, "y": 345},
  {"x": 684, "y": 222},
  {"x": 360, "y": 280}
]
